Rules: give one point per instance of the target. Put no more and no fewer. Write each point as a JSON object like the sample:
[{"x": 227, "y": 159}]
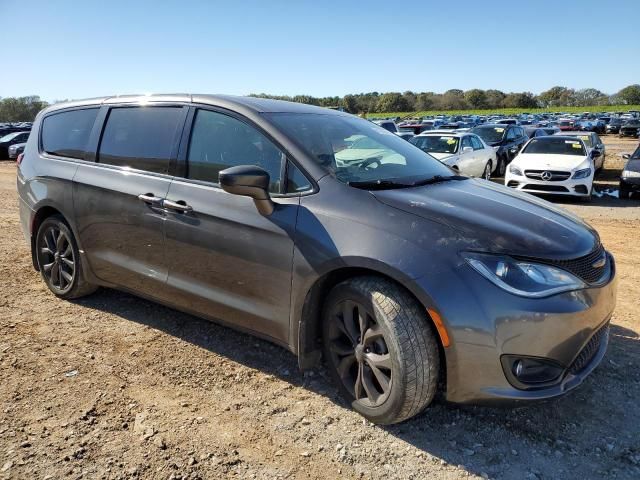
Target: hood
[
  {"x": 633, "y": 165},
  {"x": 542, "y": 161},
  {"x": 441, "y": 156},
  {"x": 498, "y": 219}
]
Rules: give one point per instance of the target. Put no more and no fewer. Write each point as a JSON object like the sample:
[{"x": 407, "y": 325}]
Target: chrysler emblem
[{"x": 545, "y": 175}]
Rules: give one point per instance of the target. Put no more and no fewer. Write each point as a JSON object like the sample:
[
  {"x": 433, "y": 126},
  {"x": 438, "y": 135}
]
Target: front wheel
[
  {"x": 380, "y": 349},
  {"x": 624, "y": 193},
  {"x": 59, "y": 259}
]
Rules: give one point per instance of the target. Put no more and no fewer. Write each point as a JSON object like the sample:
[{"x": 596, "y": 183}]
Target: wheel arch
[
  {"x": 41, "y": 214},
  {"x": 309, "y": 327}
]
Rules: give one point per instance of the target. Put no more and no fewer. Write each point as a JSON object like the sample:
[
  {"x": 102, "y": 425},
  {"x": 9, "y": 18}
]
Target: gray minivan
[{"x": 325, "y": 234}]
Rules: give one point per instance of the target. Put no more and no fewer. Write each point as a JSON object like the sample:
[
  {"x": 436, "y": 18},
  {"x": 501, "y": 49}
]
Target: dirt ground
[{"x": 112, "y": 386}]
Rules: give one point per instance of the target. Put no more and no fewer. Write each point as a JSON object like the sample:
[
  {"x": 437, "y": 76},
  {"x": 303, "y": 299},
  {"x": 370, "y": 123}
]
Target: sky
[{"x": 67, "y": 49}]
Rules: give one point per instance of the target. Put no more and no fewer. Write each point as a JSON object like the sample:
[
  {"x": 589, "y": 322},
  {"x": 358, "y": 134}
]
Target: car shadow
[{"x": 475, "y": 438}]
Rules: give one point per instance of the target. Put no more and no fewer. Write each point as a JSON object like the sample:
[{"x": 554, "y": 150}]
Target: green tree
[
  {"x": 630, "y": 95},
  {"x": 520, "y": 100},
  {"x": 20, "y": 109},
  {"x": 476, "y": 98},
  {"x": 350, "y": 104},
  {"x": 453, "y": 100},
  {"x": 494, "y": 98},
  {"x": 392, "y": 102}
]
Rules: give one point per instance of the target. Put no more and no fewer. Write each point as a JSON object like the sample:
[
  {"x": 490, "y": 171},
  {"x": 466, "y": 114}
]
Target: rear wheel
[
  {"x": 501, "y": 168},
  {"x": 487, "y": 171},
  {"x": 59, "y": 260},
  {"x": 380, "y": 349}
]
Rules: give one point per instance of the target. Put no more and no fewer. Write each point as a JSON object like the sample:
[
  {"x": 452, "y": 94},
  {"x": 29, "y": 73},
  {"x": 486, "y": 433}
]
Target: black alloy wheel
[
  {"x": 360, "y": 354},
  {"x": 57, "y": 259}
]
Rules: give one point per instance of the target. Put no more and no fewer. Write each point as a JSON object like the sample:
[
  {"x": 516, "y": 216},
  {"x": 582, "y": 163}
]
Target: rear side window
[
  {"x": 475, "y": 141},
  {"x": 67, "y": 133},
  {"x": 140, "y": 137}
]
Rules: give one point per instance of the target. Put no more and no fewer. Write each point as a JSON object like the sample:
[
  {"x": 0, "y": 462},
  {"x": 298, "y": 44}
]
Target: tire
[
  {"x": 624, "y": 193},
  {"x": 501, "y": 169},
  {"x": 59, "y": 261},
  {"x": 398, "y": 341},
  {"x": 487, "y": 171}
]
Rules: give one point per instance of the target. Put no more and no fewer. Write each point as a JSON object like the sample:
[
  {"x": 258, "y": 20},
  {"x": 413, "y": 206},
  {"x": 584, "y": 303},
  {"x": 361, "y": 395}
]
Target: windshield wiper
[
  {"x": 379, "y": 184},
  {"x": 389, "y": 184},
  {"x": 438, "y": 179}
]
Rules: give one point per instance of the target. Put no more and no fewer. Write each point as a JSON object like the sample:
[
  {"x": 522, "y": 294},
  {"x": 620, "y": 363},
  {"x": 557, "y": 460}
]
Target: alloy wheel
[
  {"x": 56, "y": 258},
  {"x": 359, "y": 353},
  {"x": 487, "y": 172}
]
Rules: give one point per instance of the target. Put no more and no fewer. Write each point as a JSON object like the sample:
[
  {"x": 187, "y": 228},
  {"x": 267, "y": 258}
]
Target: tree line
[
  {"x": 476, "y": 99},
  {"x": 24, "y": 109}
]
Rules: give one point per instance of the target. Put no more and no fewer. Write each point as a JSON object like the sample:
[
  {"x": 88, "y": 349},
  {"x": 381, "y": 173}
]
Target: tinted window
[
  {"x": 296, "y": 181},
  {"x": 219, "y": 141},
  {"x": 140, "y": 137},
  {"x": 511, "y": 134},
  {"x": 66, "y": 134}
]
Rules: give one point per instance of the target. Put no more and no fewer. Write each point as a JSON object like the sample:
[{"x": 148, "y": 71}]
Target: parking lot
[{"x": 112, "y": 386}]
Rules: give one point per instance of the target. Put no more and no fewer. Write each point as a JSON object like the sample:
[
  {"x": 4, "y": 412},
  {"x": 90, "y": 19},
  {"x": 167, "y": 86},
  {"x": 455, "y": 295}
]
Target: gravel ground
[{"x": 113, "y": 386}]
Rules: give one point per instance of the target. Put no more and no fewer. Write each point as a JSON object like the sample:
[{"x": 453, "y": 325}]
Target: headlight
[
  {"x": 521, "y": 277},
  {"x": 515, "y": 170},
  {"x": 584, "y": 173},
  {"x": 630, "y": 174}
]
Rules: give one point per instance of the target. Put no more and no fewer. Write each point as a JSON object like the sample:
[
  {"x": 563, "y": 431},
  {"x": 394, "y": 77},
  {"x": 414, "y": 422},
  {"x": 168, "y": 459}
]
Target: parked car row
[{"x": 8, "y": 141}]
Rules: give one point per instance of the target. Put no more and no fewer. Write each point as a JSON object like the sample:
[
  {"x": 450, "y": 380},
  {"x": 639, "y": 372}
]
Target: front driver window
[{"x": 219, "y": 141}]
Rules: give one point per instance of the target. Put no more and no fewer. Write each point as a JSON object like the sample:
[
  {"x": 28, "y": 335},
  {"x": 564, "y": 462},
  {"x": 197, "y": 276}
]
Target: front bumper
[
  {"x": 580, "y": 187},
  {"x": 486, "y": 323}
]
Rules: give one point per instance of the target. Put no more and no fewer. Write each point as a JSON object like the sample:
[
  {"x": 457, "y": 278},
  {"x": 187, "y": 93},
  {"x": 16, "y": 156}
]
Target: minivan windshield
[
  {"x": 356, "y": 151},
  {"x": 554, "y": 146}
]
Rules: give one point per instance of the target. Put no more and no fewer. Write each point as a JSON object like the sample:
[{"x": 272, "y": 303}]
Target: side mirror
[
  {"x": 513, "y": 150},
  {"x": 467, "y": 150},
  {"x": 249, "y": 181},
  {"x": 626, "y": 156},
  {"x": 596, "y": 153}
]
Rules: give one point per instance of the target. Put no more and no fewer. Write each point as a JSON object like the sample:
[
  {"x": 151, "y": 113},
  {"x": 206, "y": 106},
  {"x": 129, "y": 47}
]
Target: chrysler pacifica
[{"x": 323, "y": 233}]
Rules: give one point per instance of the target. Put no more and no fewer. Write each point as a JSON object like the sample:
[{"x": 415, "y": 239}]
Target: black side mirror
[
  {"x": 596, "y": 153},
  {"x": 626, "y": 156},
  {"x": 249, "y": 181}
]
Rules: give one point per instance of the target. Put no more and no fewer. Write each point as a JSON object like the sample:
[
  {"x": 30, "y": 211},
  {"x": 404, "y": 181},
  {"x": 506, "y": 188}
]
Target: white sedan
[
  {"x": 465, "y": 152},
  {"x": 557, "y": 165}
]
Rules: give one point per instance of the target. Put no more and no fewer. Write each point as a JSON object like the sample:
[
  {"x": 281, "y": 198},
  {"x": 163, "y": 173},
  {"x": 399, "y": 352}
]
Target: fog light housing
[{"x": 526, "y": 373}]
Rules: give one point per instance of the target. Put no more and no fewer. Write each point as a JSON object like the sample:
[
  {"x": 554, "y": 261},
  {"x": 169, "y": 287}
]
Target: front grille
[
  {"x": 556, "y": 176},
  {"x": 589, "y": 351},
  {"x": 545, "y": 188},
  {"x": 583, "y": 267}
]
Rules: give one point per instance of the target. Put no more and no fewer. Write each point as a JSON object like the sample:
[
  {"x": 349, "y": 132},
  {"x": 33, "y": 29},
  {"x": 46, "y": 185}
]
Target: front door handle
[
  {"x": 179, "y": 206},
  {"x": 150, "y": 199}
]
